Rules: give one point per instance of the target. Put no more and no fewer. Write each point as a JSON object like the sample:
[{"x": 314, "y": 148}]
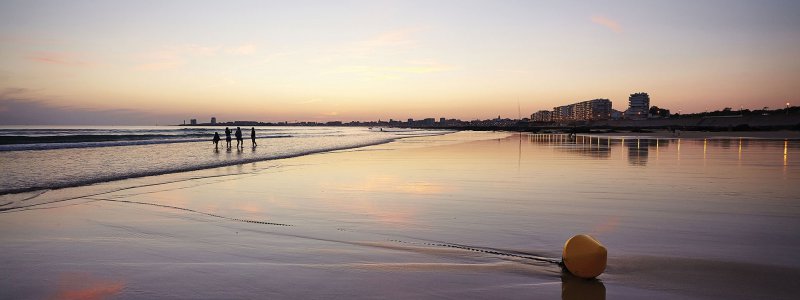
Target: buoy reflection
[{"x": 573, "y": 287}]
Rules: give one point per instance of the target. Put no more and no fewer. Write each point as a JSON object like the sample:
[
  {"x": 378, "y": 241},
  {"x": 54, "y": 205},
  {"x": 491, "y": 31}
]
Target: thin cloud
[
  {"x": 160, "y": 66},
  {"x": 24, "y": 39},
  {"x": 309, "y": 101},
  {"x": 14, "y": 92},
  {"x": 21, "y": 110},
  {"x": 173, "y": 57},
  {"x": 394, "y": 71},
  {"x": 274, "y": 57},
  {"x": 392, "y": 40},
  {"x": 195, "y": 50},
  {"x": 58, "y": 58},
  {"x": 246, "y": 49},
  {"x": 608, "y": 23},
  {"x": 419, "y": 67}
]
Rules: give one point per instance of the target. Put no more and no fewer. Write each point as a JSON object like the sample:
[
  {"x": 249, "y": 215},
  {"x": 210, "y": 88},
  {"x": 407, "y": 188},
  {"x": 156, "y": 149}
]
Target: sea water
[{"x": 42, "y": 157}]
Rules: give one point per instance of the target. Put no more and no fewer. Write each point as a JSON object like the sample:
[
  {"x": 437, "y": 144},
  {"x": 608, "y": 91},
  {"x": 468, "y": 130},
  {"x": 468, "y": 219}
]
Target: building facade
[
  {"x": 542, "y": 116},
  {"x": 597, "y": 109},
  {"x": 638, "y": 106},
  {"x": 562, "y": 113}
]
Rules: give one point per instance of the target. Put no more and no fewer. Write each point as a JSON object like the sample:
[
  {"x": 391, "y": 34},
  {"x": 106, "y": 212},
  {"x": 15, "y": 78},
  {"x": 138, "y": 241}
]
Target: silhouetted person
[
  {"x": 239, "y": 140},
  {"x": 253, "y": 135},
  {"x": 216, "y": 140},
  {"x": 227, "y": 137}
]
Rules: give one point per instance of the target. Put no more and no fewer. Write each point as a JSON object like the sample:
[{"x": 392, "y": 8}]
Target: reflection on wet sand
[
  {"x": 86, "y": 287},
  {"x": 574, "y": 288},
  {"x": 402, "y": 216},
  {"x": 584, "y": 145},
  {"x": 638, "y": 150},
  {"x": 637, "y": 155},
  {"x": 786, "y": 156}
]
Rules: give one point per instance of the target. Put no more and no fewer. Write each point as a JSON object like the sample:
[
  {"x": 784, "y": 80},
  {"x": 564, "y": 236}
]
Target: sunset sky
[{"x": 160, "y": 62}]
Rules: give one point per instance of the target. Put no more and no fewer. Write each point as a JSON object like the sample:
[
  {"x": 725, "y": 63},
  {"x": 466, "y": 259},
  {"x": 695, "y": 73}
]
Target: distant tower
[
  {"x": 639, "y": 106},
  {"x": 213, "y": 120},
  {"x": 193, "y": 121}
]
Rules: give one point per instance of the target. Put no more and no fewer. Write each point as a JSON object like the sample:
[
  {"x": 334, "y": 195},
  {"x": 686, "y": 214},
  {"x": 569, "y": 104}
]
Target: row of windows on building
[{"x": 597, "y": 109}]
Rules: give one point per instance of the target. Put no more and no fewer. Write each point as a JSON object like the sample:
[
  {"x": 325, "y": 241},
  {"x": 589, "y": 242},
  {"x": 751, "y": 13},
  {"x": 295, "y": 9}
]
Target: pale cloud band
[{"x": 608, "y": 23}]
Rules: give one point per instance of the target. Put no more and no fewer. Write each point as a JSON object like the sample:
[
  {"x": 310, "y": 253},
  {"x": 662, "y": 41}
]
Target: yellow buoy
[{"x": 584, "y": 256}]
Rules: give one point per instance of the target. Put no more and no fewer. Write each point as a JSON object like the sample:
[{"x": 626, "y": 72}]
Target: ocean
[{"x": 46, "y": 157}]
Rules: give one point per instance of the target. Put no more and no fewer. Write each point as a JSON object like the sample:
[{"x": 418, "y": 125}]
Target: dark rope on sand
[
  {"x": 486, "y": 250},
  {"x": 194, "y": 211},
  {"x": 434, "y": 244}
]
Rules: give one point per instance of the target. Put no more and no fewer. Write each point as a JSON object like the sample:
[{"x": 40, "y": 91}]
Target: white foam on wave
[{"x": 89, "y": 163}]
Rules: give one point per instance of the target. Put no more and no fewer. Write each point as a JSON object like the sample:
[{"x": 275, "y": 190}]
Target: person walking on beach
[
  {"x": 253, "y": 136},
  {"x": 227, "y": 137},
  {"x": 216, "y": 140},
  {"x": 239, "y": 140}
]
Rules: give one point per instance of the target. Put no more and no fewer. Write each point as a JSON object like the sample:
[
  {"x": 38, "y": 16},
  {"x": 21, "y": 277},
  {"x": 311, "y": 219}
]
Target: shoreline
[{"x": 221, "y": 157}]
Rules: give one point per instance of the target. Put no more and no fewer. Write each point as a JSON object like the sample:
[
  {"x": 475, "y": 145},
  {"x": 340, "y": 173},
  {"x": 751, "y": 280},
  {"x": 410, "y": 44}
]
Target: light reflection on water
[
  {"x": 716, "y": 198},
  {"x": 639, "y": 150}
]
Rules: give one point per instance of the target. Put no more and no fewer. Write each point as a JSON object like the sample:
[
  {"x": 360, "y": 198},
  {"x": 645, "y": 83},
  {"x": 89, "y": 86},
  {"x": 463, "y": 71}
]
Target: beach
[{"x": 459, "y": 215}]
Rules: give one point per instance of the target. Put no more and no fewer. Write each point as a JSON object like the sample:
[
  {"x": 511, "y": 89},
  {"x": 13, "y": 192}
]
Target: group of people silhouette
[{"x": 239, "y": 139}]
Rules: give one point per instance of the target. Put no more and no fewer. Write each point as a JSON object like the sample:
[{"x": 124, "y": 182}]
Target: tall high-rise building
[
  {"x": 193, "y": 121},
  {"x": 213, "y": 120},
  {"x": 639, "y": 106}
]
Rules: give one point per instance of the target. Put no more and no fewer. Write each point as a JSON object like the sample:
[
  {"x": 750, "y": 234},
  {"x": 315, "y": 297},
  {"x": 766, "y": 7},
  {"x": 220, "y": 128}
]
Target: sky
[{"x": 162, "y": 62}]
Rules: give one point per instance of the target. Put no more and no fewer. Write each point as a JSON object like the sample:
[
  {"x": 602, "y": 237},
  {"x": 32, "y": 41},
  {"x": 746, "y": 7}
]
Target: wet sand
[
  {"x": 781, "y": 134},
  {"x": 465, "y": 215}
]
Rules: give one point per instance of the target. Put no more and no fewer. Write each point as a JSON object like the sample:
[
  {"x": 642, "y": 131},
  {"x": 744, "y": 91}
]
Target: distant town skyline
[{"x": 160, "y": 62}]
